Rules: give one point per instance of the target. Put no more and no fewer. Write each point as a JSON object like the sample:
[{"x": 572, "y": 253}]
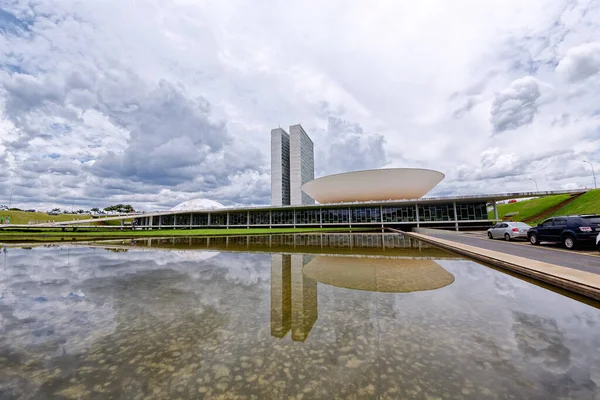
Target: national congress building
[{"x": 392, "y": 197}]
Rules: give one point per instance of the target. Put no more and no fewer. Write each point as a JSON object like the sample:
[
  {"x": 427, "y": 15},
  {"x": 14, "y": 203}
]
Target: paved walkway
[
  {"x": 584, "y": 261},
  {"x": 575, "y": 280}
]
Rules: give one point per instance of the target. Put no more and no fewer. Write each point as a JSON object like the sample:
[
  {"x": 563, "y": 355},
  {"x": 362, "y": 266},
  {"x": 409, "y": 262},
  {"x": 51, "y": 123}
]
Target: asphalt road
[{"x": 550, "y": 253}]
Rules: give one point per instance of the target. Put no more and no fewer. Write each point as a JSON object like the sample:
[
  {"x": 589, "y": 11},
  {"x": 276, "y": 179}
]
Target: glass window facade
[
  {"x": 282, "y": 217},
  {"x": 308, "y": 216},
  {"x": 238, "y": 218},
  {"x": 167, "y": 219},
  {"x": 218, "y": 219},
  {"x": 259, "y": 218},
  {"x": 436, "y": 212},
  {"x": 315, "y": 216},
  {"x": 285, "y": 169},
  {"x": 471, "y": 211},
  {"x": 399, "y": 214},
  {"x": 200, "y": 219},
  {"x": 182, "y": 219},
  {"x": 335, "y": 215},
  {"x": 366, "y": 214}
]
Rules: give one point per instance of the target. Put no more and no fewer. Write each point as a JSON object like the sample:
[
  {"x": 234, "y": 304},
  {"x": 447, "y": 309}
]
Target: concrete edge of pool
[{"x": 583, "y": 283}]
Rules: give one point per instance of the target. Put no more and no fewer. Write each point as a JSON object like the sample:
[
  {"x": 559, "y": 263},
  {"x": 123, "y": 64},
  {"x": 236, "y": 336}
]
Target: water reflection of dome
[
  {"x": 378, "y": 274},
  {"x": 198, "y": 205}
]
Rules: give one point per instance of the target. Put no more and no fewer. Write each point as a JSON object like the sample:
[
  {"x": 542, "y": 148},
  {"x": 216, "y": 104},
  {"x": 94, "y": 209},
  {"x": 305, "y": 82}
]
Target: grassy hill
[
  {"x": 588, "y": 203},
  {"x": 529, "y": 208},
  {"x": 22, "y": 217}
]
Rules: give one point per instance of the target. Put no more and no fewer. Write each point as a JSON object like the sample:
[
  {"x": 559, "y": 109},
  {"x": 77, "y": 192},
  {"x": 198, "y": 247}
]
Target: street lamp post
[
  {"x": 593, "y": 172},
  {"x": 536, "y": 186},
  {"x": 12, "y": 189}
]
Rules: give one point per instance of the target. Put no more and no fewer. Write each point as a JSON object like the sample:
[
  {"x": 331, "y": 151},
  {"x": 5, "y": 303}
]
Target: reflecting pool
[{"x": 306, "y": 317}]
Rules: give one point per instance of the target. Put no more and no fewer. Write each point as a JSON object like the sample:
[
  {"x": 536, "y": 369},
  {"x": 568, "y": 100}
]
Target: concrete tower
[
  {"x": 302, "y": 164},
  {"x": 280, "y": 167}
]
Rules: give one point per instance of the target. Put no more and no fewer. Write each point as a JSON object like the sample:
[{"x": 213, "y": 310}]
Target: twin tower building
[{"x": 292, "y": 165}]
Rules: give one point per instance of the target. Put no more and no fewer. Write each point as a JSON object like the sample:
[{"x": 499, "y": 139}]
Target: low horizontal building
[{"x": 439, "y": 212}]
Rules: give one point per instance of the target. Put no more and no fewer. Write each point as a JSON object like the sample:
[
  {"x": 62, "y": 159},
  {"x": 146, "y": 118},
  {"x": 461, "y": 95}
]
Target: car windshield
[{"x": 520, "y": 224}]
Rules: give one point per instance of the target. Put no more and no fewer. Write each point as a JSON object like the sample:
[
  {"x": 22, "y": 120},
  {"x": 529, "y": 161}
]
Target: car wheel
[
  {"x": 533, "y": 239},
  {"x": 507, "y": 237},
  {"x": 490, "y": 235},
  {"x": 569, "y": 242}
]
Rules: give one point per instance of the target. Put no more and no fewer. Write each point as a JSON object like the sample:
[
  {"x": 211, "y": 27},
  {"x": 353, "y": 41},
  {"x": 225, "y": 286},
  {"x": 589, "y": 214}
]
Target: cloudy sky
[{"x": 153, "y": 102}]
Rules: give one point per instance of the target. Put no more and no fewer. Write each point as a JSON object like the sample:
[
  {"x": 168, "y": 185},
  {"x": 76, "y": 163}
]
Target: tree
[
  {"x": 95, "y": 210},
  {"x": 120, "y": 208},
  {"x": 56, "y": 210}
]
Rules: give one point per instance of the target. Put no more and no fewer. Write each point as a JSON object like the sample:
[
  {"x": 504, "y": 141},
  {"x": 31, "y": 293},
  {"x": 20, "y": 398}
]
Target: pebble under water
[{"x": 256, "y": 319}]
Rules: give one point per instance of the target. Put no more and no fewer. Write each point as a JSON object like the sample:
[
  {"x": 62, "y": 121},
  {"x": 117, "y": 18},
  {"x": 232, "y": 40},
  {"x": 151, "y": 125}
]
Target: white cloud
[
  {"x": 125, "y": 101},
  {"x": 516, "y": 105},
  {"x": 581, "y": 62}
]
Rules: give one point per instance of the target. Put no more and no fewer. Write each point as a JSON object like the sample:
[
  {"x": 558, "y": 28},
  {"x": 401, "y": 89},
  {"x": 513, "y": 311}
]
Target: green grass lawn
[
  {"x": 81, "y": 234},
  {"x": 588, "y": 203},
  {"x": 22, "y": 217},
  {"x": 529, "y": 208}
]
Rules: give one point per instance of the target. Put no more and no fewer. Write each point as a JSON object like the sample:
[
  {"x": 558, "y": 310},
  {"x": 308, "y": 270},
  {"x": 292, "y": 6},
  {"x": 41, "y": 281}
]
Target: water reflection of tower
[{"x": 293, "y": 297}]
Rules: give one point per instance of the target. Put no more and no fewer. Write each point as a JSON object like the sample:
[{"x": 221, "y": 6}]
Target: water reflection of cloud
[
  {"x": 540, "y": 341},
  {"x": 153, "y": 323},
  {"x": 46, "y": 288}
]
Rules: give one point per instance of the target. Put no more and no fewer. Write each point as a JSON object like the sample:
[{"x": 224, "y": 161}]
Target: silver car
[{"x": 508, "y": 231}]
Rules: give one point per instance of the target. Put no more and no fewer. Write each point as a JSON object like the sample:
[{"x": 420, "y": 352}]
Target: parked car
[
  {"x": 572, "y": 230},
  {"x": 508, "y": 230}
]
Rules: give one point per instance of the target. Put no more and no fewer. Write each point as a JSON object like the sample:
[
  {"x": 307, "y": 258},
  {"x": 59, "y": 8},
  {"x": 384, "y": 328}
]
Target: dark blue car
[{"x": 572, "y": 231}]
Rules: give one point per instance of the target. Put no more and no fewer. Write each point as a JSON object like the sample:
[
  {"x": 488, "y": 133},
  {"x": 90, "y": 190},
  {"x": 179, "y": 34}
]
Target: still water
[{"x": 305, "y": 317}]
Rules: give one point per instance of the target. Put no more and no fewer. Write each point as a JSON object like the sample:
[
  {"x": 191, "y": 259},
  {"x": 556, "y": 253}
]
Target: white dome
[{"x": 198, "y": 205}]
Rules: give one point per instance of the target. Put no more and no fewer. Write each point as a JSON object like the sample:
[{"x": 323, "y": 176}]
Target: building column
[
  {"x": 150, "y": 222},
  {"x": 227, "y": 220},
  {"x": 495, "y": 209},
  {"x": 270, "y": 219},
  {"x": 320, "y": 217},
  {"x": 381, "y": 215},
  {"x": 248, "y": 220},
  {"x": 160, "y": 222},
  {"x": 350, "y": 218},
  {"x": 455, "y": 216},
  {"x": 417, "y": 212},
  {"x": 191, "y": 219},
  {"x": 294, "y": 211},
  {"x": 208, "y": 222}
]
